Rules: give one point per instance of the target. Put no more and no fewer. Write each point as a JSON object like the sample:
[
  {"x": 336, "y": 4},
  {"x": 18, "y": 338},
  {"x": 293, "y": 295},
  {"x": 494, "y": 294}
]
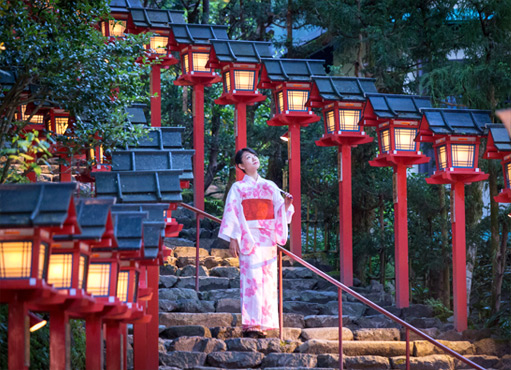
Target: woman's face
[{"x": 249, "y": 163}]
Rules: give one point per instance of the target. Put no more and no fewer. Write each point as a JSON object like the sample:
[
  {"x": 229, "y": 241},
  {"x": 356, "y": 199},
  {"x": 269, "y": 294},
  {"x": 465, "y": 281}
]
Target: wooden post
[
  {"x": 295, "y": 189},
  {"x": 240, "y": 130},
  {"x": 18, "y": 336},
  {"x": 60, "y": 340},
  {"x": 401, "y": 236},
  {"x": 345, "y": 215},
  {"x": 459, "y": 258}
]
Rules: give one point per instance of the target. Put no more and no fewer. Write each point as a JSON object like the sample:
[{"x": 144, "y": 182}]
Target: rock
[
  {"x": 432, "y": 332},
  {"x": 352, "y": 309},
  {"x": 330, "y": 361},
  {"x": 331, "y": 333},
  {"x": 233, "y": 360},
  {"x": 265, "y": 346},
  {"x": 204, "y": 234},
  {"x": 288, "y": 334},
  {"x": 194, "y": 306},
  {"x": 289, "y": 360},
  {"x": 173, "y": 332},
  {"x": 434, "y": 362},
  {"x": 167, "y": 281},
  {"x": 452, "y": 335},
  {"x": 319, "y": 346},
  {"x": 205, "y": 283},
  {"x": 417, "y": 310},
  {"x": 303, "y": 308},
  {"x": 197, "y": 344},
  {"x": 166, "y": 305},
  {"x": 174, "y": 294},
  {"x": 299, "y": 284},
  {"x": 189, "y": 270},
  {"x": 366, "y": 362},
  {"x": 376, "y": 321},
  {"x": 492, "y": 347},
  {"x": 426, "y": 322},
  {"x": 309, "y": 296},
  {"x": 167, "y": 270},
  {"x": 389, "y": 334},
  {"x": 216, "y": 295},
  {"x": 505, "y": 362},
  {"x": 487, "y": 362},
  {"x": 235, "y": 284},
  {"x": 226, "y": 332},
  {"x": 228, "y": 305},
  {"x": 391, "y": 309},
  {"x": 375, "y": 286},
  {"x": 222, "y": 253},
  {"x": 206, "y": 241},
  {"x": 225, "y": 271},
  {"x": 205, "y": 319},
  {"x": 185, "y": 261},
  {"x": 212, "y": 262},
  {"x": 231, "y": 262},
  {"x": 183, "y": 360},
  {"x": 425, "y": 348},
  {"x": 473, "y": 335},
  {"x": 293, "y": 320},
  {"x": 172, "y": 242},
  {"x": 322, "y": 321},
  {"x": 373, "y": 348}
]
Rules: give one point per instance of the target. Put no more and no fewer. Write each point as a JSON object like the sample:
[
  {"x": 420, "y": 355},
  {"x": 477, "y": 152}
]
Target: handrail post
[
  {"x": 197, "y": 246},
  {"x": 281, "y": 303},
  {"x": 407, "y": 335},
  {"x": 339, "y": 299}
]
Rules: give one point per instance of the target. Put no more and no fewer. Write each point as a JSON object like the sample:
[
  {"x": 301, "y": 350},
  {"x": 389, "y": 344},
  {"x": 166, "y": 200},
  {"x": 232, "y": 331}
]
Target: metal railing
[{"x": 340, "y": 288}]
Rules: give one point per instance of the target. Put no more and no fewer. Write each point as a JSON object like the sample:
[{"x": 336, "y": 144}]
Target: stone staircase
[{"x": 203, "y": 330}]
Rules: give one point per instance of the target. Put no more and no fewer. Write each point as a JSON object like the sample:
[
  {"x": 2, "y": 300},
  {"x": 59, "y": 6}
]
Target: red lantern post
[
  {"x": 342, "y": 100},
  {"x": 456, "y": 135},
  {"x": 290, "y": 81},
  {"x": 396, "y": 118}
]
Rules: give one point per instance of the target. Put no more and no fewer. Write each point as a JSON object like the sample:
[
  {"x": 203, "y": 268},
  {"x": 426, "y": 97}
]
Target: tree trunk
[
  {"x": 205, "y": 11},
  {"x": 289, "y": 28},
  {"x": 471, "y": 261},
  {"x": 499, "y": 265},
  {"x": 381, "y": 216},
  {"x": 494, "y": 236}
]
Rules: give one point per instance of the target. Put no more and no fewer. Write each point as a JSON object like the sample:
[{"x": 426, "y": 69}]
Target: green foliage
[{"x": 439, "y": 309}]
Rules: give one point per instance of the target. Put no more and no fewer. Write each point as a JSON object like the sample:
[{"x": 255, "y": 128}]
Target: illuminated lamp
[
  {"x": 499, "y": 147},
  {"x": 36, "y": 322},
  {"x": 68, "y": 265},
  {"x": 113, "y": 28},
  {"x": 127, "y": 282},
  {"x": 102, "y": 275}
]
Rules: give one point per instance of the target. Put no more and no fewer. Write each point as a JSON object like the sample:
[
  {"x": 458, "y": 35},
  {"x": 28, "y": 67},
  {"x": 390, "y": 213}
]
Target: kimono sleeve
[
  {"x": 282, "y": 218},
  {"x": 230, "y": 227}
]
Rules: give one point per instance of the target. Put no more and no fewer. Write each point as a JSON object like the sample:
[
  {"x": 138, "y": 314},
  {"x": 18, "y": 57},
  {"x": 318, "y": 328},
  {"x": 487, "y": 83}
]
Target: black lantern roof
[
  {"x": 136, "y": 114},
  {"x": 151, "y": 160},
  {"x": 156, "y": 18},
  {"x": 398, "y": 106},
  {"x": 294, "y": 70},
  {"x": 344, "y": 88},
  {"x": 161, "y": 138},
  {"x": 128, "y": 229},
  {"x": 123, "y": 6},
  {"x": 35, "y": 205},
  {"x": 500, "y": 137},
  {"x": 236, "y": 51},
  {"x": 196, "y": 34},
  {"x": 140, "y": 186},
  {"x": 457, "y": 121},
  {"x": 92, "y": 214}
]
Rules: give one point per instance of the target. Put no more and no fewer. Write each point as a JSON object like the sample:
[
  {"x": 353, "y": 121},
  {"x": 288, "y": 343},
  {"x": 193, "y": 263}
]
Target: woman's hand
[
  {"x": 234, "y": 248},
  {"x": 288, "y": 200}
]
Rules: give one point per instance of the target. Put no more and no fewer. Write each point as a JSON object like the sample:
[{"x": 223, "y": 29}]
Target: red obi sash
[{"x": 257, "y": 209}]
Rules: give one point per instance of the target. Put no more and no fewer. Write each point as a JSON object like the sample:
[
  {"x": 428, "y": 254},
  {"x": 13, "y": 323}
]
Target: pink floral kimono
[{"x": 255, "y": 215}]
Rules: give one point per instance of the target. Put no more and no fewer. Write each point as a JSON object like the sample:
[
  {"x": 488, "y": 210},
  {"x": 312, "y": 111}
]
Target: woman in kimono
[{"x": 255, "y": 220}]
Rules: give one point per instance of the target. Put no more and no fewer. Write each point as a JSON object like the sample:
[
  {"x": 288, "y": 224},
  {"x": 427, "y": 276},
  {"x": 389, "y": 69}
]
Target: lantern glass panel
[
  {"x": 123, "y": 285},
  {"x": 43, "y": 259},
  {"x": 116, "y": 28},
  {"x": 36, "y": 118},
  {"x": 15, "y": 260},
  {"x": 385, "y": 141},
  {"x": 61, "y": 124},
  {"x": 442, "y": 157},
  {"x": 135, "y": 293},
  {"x": 507, "y": 175},
  {"x": 227, "y": 82},
  {"x": 98, "y": 280},
  {"x": 296, "y": 100},
  {"x": 186, "y": 64},
  {"x": 82, "y": 272},
  {"x": 463, "y": 155},
  {"x": 348, "y": 120},
  {"x": 60, "y": 270},
  {"x": 199, "y": 62},
  {"x": 405, "y": 139},
  {"x": 280, "y": 101},
  {"x": 159, "y": 44},
  {"x": 244, "y": 80},
  {"x": 330, "y": 121}
]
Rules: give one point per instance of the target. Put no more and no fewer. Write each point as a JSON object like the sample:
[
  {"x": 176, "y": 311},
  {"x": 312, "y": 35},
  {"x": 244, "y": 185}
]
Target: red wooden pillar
[
  {"x": 459, "y": 256},
  {"x": 60, "y": 340},
  {"x": 113, "y": 346},
  {"x": 124, "y": 344},
  {"x": 198, "y": 146},
  {"x": 241, "y": 132},
  {"x": 151, "y": 352},
  {"x": 94, "y": 345},
  {"x": 345, "y": 212},
  {"x": 155, "y": 95},
  {"x": 401, "y": 236},
  {"x": 18, "y": 336},
  {"x": 139, "y": 346},
  {"x": 295, "y": 188}
]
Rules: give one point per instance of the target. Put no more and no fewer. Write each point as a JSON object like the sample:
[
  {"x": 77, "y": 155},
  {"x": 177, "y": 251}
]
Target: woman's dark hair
[{"x": 239, "y": 155}]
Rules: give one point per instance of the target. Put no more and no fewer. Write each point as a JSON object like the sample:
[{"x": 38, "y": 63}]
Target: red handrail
[{"x": 341, "y": 287}]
